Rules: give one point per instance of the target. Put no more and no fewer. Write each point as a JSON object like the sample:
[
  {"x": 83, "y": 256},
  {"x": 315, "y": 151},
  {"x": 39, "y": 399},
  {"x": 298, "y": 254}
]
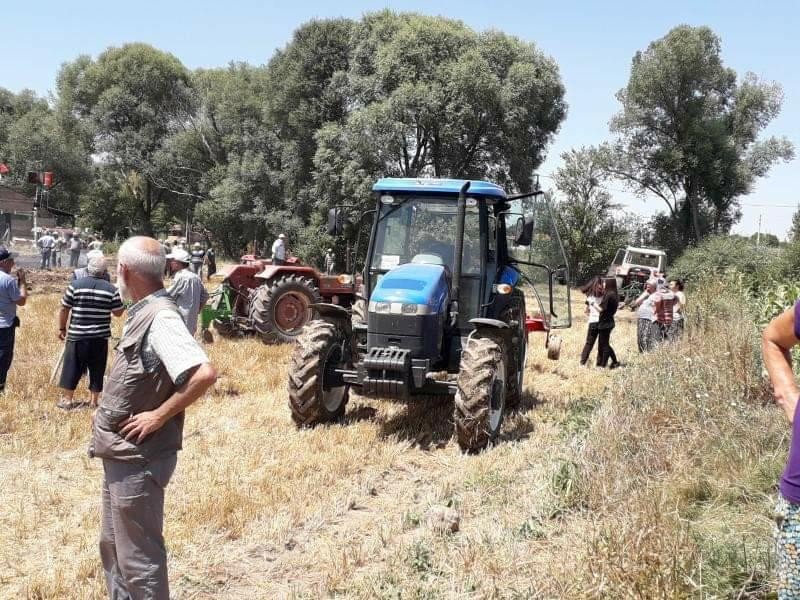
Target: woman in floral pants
[{"x": 779, "y": 337}]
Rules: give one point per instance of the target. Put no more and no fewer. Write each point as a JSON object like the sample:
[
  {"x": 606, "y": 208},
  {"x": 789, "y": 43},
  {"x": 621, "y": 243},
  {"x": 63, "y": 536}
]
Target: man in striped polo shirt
[{"x": 91, "y": 301}]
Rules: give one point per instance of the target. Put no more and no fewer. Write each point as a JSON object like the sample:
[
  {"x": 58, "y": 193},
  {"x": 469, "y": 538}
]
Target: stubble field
[{"x": 259, "y": 509}]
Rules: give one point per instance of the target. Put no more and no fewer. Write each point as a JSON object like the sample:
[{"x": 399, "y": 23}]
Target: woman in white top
[
  {"x": 594, "y": 293},
  {"x": 645, "y": 315},
  {"x": 679, "y": 309}
]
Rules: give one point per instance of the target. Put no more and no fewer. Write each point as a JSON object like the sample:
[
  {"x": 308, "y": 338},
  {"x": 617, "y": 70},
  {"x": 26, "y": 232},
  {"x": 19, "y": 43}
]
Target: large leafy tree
[
  {"x": 132, "y": 100},
  {"x": 688, "y": 131},
  {"x": 428, "y": 96},
  {"x": 589, "y": 225},
  {"x": 32, "y": 137}
]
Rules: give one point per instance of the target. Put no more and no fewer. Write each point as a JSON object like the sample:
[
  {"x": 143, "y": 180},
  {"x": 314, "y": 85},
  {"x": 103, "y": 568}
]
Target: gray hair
[
  {"x": 143, "y": 255},
  {"x": 97, "y": 266}
]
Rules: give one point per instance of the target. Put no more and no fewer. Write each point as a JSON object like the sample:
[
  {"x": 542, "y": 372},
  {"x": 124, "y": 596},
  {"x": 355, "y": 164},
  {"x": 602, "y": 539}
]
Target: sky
[{"x": 592, "y": 42}]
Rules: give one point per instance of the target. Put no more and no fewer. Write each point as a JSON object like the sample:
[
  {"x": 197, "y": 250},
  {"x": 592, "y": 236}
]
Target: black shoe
[{"x": 615, "y": 365}]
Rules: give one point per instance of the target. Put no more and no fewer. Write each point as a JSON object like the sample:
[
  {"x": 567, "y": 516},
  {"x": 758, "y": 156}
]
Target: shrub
[
  {"x": 687, "y": 455},
  {"x": 721, "y": 256}
]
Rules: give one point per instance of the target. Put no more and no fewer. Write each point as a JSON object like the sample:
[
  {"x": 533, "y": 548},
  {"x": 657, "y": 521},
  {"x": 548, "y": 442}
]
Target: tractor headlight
[
  {"x": 409, "y": 309},
  {"x": 399, "y": 308},
  {"x": 380, "y": 307}
]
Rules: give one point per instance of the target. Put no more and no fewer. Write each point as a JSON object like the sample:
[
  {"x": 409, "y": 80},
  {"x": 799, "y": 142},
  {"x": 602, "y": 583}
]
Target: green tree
[
  {"x": 430, "y": 97},
  {"x": 688, "y": 131},
  {"x": 588, "y": 226},
  {"x": 33, "y": 138},
  {"x": 132, "y": 100}
]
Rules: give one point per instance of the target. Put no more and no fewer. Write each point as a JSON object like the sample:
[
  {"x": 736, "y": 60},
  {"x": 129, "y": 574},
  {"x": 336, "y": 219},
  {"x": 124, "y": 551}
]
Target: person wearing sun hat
[
  {"x": 13, "y": 293},
  {"x": 187, "y": 289}
]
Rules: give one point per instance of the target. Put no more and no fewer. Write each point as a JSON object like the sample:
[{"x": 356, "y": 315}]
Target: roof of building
[{"x": 438, "y": 186}]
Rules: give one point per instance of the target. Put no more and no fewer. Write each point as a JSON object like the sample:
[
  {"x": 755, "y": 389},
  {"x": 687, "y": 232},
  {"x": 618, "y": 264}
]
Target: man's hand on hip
[{"x": 139, "y": 426}]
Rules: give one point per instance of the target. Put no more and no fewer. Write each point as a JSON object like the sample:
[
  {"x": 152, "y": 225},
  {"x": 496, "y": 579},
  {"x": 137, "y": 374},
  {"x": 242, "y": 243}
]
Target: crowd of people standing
[{"x": 659, "y": 310}]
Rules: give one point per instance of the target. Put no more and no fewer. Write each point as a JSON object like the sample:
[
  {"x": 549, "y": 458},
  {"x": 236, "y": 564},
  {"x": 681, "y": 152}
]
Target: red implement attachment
[{"x": 535, "y": 324}]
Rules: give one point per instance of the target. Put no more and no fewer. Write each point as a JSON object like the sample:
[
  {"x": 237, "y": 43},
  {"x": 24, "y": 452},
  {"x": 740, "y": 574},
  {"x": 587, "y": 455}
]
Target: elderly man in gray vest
[{"x": 158, "y": 370}]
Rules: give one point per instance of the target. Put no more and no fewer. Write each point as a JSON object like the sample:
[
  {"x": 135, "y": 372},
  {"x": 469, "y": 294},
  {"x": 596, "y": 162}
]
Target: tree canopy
[{"x": 688, "y": 131}]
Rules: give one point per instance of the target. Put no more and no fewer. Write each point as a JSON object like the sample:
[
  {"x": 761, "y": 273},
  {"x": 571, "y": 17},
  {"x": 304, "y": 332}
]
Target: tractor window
[
  {"x": 619, "y": 258},
  {"x": 423, "y": 230}
]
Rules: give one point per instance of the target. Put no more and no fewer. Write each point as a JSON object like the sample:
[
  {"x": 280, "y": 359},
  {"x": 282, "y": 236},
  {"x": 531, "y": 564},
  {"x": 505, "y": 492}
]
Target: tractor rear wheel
[
  {"x": 481, "y": 393},
  {"x": 316, "y": 395},
  {"x": 278, "y": 311}
]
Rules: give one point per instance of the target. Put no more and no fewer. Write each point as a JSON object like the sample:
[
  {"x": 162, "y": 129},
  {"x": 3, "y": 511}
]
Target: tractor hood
[{"x": 420, "y": 284}]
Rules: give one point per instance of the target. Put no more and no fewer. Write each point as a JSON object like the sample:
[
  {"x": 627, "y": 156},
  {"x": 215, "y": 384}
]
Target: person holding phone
[{"x": 13, "y": 293}]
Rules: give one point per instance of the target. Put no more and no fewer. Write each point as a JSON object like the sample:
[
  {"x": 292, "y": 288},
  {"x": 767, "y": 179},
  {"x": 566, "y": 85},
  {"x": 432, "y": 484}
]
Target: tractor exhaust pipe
[{"x": 461, "y": 215}]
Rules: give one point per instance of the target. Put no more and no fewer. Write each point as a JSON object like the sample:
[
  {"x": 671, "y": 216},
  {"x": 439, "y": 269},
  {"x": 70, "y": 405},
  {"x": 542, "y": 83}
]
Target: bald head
[{"x": 143, "y": 256}]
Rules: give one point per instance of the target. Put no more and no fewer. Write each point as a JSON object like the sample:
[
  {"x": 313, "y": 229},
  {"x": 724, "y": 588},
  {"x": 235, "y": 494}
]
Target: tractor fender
[
  {"x": 272, "y": 271},
  {"x": 334, "y": 313},
  {"x": 482, "y": 323}
]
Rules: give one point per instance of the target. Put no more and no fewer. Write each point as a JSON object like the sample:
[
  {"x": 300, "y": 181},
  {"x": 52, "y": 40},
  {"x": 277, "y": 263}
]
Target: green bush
[{"x": 725, "y": 256}]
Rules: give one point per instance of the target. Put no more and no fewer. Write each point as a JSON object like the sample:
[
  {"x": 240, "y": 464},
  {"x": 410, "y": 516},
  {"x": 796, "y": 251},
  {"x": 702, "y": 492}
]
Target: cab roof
[{"x": 438, "y": 186}]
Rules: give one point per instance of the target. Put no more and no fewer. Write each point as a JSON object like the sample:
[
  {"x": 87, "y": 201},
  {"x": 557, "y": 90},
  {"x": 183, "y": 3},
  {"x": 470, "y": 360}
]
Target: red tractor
[{"x": 272, "y": 301}]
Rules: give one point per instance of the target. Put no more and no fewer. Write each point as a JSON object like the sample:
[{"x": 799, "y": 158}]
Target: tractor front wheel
[
  {"x": 481, "y": 395},
  {"x": 316, "y": 392},
  {"x": 278, "y": 311}
]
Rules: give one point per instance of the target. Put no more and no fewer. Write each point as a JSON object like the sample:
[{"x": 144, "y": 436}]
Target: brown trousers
[{"x": 131, "y": 535}]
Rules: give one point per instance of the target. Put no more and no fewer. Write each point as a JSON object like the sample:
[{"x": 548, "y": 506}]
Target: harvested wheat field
[{"x": 258, "y": 509}]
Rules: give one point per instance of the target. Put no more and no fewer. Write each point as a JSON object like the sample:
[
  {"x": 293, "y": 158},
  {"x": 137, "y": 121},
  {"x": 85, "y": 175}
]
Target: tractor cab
[{"x": 450, "y": 270}]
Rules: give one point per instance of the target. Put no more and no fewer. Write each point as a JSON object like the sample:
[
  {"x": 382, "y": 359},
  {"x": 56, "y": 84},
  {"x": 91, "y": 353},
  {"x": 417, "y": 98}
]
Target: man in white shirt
[
  {"x": 46, "y": 244},
  {"x": 187, "y": 289},
  {"x": 279, "y": 250}
]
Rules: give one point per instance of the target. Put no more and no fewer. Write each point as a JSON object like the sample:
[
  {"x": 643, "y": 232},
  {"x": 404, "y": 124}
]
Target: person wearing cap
[
  {"x": 13, "y": 293},
  {"x": 187, "y": 289},
  {"x": 197, "y": 257},
  {"x": 45, "y": 245},
  {"x": 88, "y": 304},
  {"x": 279, "y": 250},
  {"x": 330, "y": 261}
]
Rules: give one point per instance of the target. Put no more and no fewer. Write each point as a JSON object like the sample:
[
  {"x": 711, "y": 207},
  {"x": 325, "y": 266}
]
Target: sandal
[{"x": 64, "y": 405}]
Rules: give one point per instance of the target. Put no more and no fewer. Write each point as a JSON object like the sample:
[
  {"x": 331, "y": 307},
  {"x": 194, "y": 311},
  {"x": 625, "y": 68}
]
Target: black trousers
[
  {"x": 7, "y": 335},
  {"x": 604, "y": 349},
  {"x": 591, "y": 338},
  {"x": 83, "y": 355}
]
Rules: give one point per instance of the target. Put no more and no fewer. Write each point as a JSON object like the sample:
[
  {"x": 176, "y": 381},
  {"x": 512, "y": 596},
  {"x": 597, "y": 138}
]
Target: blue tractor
[{"x": 442, "y": 306}]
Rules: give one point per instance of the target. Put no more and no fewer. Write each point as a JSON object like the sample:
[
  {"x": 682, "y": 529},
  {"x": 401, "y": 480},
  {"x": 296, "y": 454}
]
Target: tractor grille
[{"x": 385, "y": 372}]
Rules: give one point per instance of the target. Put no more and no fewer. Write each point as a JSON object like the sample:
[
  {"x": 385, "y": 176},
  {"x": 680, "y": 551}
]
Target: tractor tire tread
[
  {"x": 479, "y": 361},
  {"x": 305, "y": 396}
]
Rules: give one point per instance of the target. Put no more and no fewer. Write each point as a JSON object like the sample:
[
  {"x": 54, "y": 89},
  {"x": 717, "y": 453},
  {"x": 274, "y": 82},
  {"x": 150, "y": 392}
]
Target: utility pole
[{"x": 758, "y": 235}]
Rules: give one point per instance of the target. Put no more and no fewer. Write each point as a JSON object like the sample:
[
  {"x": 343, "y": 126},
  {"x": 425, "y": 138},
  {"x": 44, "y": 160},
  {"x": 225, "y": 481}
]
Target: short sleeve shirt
[
  {"x": 91, "y": 300},
  {"x": 9, "y": 294},
  {"x": 278, "y": 249}
]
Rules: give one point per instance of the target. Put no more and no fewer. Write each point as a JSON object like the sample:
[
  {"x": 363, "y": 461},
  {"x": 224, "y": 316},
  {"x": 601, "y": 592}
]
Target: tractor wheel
[
  {"x": 481, "y": 395},
  {"x": 317, "y": 353},
  {"x": 279, "y": 310},
  {"x": 554, "y": 347}
]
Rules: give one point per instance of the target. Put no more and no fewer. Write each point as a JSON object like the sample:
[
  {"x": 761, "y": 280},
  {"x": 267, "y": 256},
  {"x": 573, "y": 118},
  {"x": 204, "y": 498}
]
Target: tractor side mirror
[{"x": 523, "y": 231}]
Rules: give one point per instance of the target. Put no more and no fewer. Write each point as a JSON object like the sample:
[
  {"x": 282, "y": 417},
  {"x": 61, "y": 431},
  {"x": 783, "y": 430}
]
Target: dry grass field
[{"x": 258, "y": 509}]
